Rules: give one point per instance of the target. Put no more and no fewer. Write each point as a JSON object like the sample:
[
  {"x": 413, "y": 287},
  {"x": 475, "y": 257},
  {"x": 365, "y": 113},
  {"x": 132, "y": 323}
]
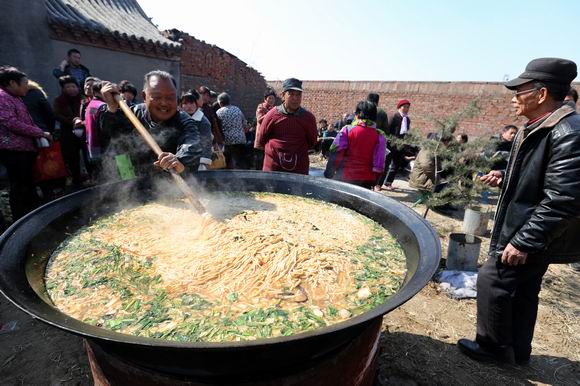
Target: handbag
[
  {"x": 49, "y": 164},
  {"x": 333, "y": 171},
  {"x": 336, "y": 161},
  {"x": 218, "y": 160}
]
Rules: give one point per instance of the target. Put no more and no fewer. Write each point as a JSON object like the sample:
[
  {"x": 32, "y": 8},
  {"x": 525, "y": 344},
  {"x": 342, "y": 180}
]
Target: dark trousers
[
  {"x": 52, "y": 189},
  {"x": 394, "y": 162},
  {"x": 89, "y": 165},
  {"x": 507, "y": 305},
  {"x": 383, "y": 177},
  {"x": 258, "y": 159},
  {"x": 325, "y": 145},
  {"x": 398, "y": 162},
  {"x": 19, "y": 166},
  {"x": 236, "y": 157},
  {"x": 71, "y": 147}
]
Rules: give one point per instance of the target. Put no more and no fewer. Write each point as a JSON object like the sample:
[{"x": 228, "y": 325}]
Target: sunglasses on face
[{"x": 517, "y": 94}]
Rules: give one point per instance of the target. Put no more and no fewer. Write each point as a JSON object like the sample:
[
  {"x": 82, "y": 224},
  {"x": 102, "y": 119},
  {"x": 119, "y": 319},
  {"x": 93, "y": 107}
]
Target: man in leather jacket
[{"x": 538, "y": 213}]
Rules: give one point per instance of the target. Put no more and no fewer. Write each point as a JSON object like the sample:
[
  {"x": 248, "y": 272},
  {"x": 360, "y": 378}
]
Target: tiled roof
[{"x": 121, "y": 18}]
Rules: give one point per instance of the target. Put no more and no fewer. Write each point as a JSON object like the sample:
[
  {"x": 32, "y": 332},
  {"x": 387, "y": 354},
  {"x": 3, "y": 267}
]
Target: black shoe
[
  {"x": 522, "y": 361},
  {"x": 482, "y": 354},
  {"x": 473, "y": 350}
]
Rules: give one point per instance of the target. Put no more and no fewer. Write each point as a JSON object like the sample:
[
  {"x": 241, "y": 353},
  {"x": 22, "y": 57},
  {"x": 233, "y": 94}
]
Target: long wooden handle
[
  {"x": 139, "y": 126},
  {"x": 193, "y": 201}
]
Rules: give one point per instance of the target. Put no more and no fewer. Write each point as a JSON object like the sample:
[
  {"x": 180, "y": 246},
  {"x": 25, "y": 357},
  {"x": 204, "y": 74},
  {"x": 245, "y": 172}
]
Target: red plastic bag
[{"x": 49, "y": 163}]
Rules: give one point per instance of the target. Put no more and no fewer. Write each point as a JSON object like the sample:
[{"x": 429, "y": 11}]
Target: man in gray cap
[
  {"x": 537, "y": 217},
  {"x": 287, "y": 132}
]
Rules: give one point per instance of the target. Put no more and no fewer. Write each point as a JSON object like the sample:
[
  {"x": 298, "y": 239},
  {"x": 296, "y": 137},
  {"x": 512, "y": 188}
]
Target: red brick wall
[
  {"x": 209, "y": 65},
  {"x": 330, "y": 99}
]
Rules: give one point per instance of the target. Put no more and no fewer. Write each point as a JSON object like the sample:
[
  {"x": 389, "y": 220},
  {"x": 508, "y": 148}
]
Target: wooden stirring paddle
[{"x": 181, "y": 184}]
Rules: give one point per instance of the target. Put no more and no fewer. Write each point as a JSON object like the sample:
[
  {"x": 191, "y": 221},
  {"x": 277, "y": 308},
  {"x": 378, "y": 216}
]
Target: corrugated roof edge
[{"x": 69, "y": 17}]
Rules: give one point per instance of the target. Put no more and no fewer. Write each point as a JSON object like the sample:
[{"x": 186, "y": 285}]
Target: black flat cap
[
  {"x": 292, "y": 84},
  {"x": 552, "y": 70}
]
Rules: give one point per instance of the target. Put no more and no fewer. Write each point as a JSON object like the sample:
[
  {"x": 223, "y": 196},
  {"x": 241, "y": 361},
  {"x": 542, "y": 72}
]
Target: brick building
[
  {"x": 212, "y": 66},
  {"x": 117, "y": 41},
  {"x": 429, "y": 100}
]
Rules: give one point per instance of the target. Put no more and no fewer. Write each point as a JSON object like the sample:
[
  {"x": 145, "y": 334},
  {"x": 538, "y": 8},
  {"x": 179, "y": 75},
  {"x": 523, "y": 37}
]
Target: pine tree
[{"x": 459, "y": 163}]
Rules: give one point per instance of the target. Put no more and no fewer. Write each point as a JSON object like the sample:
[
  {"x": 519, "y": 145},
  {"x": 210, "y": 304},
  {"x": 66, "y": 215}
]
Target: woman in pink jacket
[
  {"x": 357, "y": 154},
  {"x": 18, "y": 136}
]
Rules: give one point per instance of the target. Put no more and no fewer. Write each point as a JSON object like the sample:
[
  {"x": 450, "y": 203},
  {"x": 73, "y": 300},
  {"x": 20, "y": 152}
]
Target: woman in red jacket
[{"x": 359, "y": 149}]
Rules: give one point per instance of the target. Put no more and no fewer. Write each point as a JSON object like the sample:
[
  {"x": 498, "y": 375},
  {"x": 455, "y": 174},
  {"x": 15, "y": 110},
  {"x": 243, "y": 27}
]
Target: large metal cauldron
[{"x": 26, "y": 246}]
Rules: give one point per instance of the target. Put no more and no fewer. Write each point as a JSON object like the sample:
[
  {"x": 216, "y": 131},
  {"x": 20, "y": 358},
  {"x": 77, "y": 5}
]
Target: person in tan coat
[{"x": 424, "y": 176}]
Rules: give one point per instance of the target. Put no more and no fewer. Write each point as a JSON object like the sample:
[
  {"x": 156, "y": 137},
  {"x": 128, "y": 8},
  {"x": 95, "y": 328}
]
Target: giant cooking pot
[{"x": 26, "y": 246}]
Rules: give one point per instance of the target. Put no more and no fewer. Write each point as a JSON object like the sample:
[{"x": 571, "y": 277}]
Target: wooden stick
[
  {"x": 181, "y": 184},
  {"x": 139, "y": 126}
]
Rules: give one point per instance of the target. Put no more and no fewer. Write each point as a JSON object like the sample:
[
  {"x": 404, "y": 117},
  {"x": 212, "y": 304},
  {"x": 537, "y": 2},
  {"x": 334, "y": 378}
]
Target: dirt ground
[
  {"x": 417, "y": 343},
  {"x": 419, "y": 337}
]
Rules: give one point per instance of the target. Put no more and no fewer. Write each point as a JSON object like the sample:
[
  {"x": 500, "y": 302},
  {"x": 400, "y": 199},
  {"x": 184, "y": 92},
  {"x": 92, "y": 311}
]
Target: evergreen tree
[{"x": 458, "y": 164}]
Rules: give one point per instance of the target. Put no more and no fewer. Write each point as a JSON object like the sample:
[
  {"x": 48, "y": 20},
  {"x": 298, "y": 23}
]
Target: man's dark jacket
[
  {"x": 67, "y": 71},
  {"x": 382, "y": 120},
  {"x": 179, "y": 135},
  {"x": 395, "y": 125},
  {"x": 539, "y": 207},
  {"x": 39, "y": 109}
]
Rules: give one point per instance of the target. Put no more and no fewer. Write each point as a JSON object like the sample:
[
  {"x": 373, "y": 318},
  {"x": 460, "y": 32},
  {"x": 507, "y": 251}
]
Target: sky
[{"x": 411, "y": 40}]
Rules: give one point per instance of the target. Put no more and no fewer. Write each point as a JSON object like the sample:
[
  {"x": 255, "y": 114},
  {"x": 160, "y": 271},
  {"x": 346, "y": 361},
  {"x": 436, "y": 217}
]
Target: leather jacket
[{"x": 539, "y": 206}]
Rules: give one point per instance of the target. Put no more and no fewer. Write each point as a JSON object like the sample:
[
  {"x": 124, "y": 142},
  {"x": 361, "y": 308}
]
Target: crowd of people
[
  {"x": 88, "y": 139},
  {"x": 539, "y": 205},
  {"x": 197, "y": 130}
]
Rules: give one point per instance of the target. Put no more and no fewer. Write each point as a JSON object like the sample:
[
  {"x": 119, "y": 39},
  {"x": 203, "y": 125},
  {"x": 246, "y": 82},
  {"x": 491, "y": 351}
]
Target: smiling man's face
[{"x": 160, "y": 97}]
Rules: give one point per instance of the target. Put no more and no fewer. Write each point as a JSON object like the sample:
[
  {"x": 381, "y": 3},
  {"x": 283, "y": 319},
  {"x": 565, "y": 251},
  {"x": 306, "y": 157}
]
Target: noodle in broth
[{"x": 261, "y": 265}]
